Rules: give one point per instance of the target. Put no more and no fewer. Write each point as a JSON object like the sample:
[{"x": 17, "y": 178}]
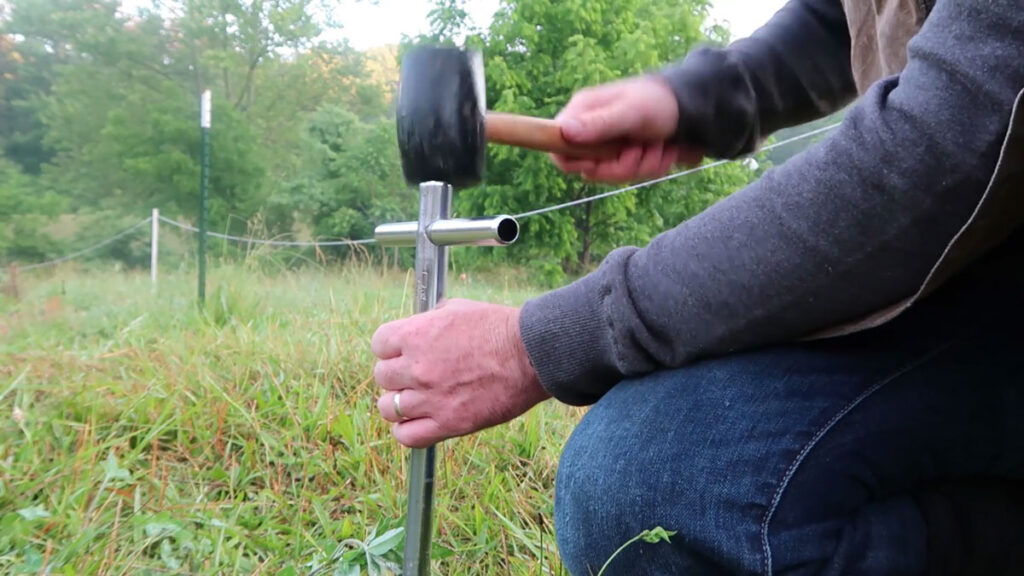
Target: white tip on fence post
[
  {"x": 154, "y": 245},
  {"x": 206, "y": 110}
]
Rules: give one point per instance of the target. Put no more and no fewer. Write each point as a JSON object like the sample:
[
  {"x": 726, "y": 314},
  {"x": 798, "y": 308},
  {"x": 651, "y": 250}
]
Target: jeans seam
[{"x": 816, "y": 438}]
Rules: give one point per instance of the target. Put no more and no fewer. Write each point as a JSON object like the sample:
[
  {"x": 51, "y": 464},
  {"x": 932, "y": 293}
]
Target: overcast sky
[{"x": 367, "y": 25}]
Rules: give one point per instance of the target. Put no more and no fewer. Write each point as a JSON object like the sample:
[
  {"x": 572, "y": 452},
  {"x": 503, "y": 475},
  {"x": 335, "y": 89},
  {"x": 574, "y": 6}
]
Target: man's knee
[
  {"x": 701, "y": 451},
  {"x": 651, "y": 455}
]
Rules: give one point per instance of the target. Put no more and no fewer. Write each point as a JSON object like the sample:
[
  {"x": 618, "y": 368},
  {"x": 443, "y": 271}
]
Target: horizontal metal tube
[
  {"x": 396, "y": 234},
  {"x": 493, "y": 231},
  {"x": 496, "y": 231}
]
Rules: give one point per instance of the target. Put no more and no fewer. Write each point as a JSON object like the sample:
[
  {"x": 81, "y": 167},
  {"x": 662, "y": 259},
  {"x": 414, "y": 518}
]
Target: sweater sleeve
[
  {"x": 794, "y": 69},
  {"x": 849, "y": 226}
]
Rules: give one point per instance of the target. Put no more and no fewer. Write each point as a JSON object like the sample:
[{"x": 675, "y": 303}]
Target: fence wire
[
  {"x": 649, "y": 183},
  {"x": 297, "y": 243},
  {"x": 182, "y": 226},
  {"x": 85, "y": 251}
]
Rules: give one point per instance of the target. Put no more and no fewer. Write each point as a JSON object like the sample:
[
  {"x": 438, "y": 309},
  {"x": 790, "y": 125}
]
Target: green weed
[{"x": 651, "y": 536}]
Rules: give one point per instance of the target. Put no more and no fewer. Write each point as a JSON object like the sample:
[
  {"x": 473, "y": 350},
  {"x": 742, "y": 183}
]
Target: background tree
[
  {"x": 23, "y": 217},
  {"x": 26, "y": 74},
  {"x": 108, "y": 110},
  {"x": 351, "y": 179}
]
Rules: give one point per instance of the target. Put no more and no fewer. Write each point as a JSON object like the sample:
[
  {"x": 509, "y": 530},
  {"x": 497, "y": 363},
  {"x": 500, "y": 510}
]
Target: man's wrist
[
  {"x": 569, "y": 335},
  {"x": 528, "y": 372},
  {"x": 716, "y": 103}
]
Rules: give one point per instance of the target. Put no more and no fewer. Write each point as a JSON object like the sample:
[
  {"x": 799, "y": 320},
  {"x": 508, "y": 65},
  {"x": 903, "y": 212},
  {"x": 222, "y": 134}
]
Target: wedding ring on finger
[{"x": 398, "y": 406}]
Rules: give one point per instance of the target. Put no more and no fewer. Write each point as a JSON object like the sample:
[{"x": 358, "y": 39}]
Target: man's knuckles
[{"x": 425, "y": 375}]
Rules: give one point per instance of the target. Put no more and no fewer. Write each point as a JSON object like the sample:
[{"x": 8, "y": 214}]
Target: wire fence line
[
  {"x": 188, "y": 228},
  {"x": 85, "y": 251},
  {"x": 673, "y": 176},
  {"x": 297, "y": 243},
  {"x": 268, "y": 242}
]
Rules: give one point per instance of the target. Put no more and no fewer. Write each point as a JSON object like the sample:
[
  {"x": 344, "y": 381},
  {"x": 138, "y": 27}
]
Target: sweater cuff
[
  {"x": 717, "y": 103},
  {"x": 569, "y": 337}
]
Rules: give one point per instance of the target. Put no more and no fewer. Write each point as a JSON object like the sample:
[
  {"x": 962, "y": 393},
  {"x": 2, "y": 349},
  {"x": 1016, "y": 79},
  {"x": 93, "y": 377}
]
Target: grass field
[{"x": 140, "y": 437}]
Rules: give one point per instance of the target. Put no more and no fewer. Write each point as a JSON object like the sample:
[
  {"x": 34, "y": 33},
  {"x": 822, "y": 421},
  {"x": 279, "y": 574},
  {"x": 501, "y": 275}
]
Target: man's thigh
[{"x": 792, "y": 460}]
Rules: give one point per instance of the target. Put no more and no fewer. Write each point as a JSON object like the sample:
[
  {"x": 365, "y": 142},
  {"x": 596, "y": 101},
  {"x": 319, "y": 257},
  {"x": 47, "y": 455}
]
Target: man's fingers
[
  {"x": 576, "y": 165},
  {"x": 385, "y": 343},
  {"x": 621, "y": 170},
  {"x": 669, "y": 158},
  {"x": 393, "y": 374},
  {"x": 412, "y": 403},
  {"x": 419, "y": 433},
  {"x": 601, "y": 124},
  {"x": 650, "y": 162},
  {"x": 588, "y": 99},
  {"x": 636, "y": 162}
]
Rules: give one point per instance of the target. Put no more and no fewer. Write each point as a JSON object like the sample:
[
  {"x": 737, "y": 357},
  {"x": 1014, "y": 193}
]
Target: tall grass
[{"x": 138, "y": 436}]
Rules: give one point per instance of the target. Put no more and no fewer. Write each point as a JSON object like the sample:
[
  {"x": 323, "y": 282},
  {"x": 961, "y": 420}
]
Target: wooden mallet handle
[{"x": 542, "y": 135}]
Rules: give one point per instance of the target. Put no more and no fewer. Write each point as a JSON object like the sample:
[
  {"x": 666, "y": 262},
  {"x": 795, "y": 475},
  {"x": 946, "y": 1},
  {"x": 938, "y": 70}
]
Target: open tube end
[{"x": 508, "y": 230}]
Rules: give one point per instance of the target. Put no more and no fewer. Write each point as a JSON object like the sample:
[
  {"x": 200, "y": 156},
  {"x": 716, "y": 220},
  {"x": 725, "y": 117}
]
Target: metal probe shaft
[{"x": 431, "y": 268}]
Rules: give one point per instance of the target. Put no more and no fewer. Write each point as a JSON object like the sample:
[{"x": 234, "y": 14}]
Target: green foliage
[
  {"x": 24, "y": 212},
  {"x": 25, "y": 75},
  {"x": 378, "y": 555},
  {"x": 147, "y": 154},
  {"x": 351, "y": 180},
  {"x": 106, "y": 103}
]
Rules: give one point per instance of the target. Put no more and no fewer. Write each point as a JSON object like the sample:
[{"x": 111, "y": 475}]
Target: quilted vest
[{"x": 880, "y": 31}]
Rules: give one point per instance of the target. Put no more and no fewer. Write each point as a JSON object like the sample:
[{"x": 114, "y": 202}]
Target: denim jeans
[{"x": 899, "y": 450}]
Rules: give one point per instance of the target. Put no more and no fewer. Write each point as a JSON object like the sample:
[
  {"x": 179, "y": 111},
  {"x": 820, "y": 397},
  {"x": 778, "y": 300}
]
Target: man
[{"x": 822, "y": 373}]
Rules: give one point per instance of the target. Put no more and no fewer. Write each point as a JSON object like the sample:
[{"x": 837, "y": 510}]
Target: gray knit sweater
[{"x": 850, "y": 225}]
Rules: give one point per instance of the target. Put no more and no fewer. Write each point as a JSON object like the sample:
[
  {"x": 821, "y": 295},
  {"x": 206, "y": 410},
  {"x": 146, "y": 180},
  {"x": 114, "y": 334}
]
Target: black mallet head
[{"x": 441, "y": 116}]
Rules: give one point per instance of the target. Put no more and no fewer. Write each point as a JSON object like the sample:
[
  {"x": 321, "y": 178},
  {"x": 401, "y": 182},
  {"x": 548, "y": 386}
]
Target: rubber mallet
[{"x": 444, "y": 125}]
